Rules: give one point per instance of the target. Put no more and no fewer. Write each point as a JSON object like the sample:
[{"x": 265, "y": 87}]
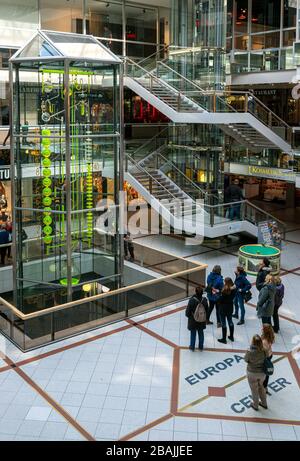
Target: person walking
[
  {"x": 255, "y": 358},
  {"x": 242, "y": 287},
  {"x": 196, "y": 312},
  {"x": 266, "y": 300},
  {"x": 264, "y": 270},
  {"x": 225, "y": 302},
  {"x": 279, "y": 295},
  {"x": 214, "y": 287},
  {"x": 268, "y": 339}
]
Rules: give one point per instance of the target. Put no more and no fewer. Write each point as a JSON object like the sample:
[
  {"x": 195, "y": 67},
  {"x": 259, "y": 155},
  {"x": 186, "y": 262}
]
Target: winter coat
[
  {"x": 261, "y": 277},
  {"x": 233, "y": 193},
  {"x": 255, "y": 359},
  {"x": 191, "y": 307},
  {"x": 279, "y": 295},
  {"x": 242, "y": 283},
  {"x": 214, "y": 281},
  {"x": 225, "y": 302},
  {"x": 266, "y": 301}
]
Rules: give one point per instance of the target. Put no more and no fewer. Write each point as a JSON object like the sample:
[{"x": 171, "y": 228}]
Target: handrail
[
  {"x": 150, "y": 140},
  {"x": 149, "y": 174},
  {"x": 151, "y": 75},
  {"x": 50, "y": 310},
  {"x": 165, "y": 47},
  {"x": 182, "y": 174},
  {"x": 248, "y": 93},
  {"x": 215, "y": 92}
]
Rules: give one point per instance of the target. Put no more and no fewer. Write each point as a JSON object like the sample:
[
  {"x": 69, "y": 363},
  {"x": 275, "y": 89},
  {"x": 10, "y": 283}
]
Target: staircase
[
  {"x": 182, "y": 211},
  {"x": 239, "y": 114}
]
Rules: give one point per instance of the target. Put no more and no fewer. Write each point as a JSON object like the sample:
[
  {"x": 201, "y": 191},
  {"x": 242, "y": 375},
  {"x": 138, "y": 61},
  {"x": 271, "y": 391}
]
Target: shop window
[
  {"x": 265, "y": 15},
  {"x": 261, "y": 41},
  {"x": 61, "y": 15},
  {"x": 289, "y": 13},
  {"x": 105, "y": 19},
  {"x": 289, "y": 36}
]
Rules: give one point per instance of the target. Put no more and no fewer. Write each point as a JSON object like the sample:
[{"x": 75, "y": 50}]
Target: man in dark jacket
[
  {"x": 194, "y": 326},
  {"x": 242, "y": 285},
  {"x": 266, "y": 300},
  {"x": 233, "y": 193},
  {"x": 264, "y": 270},
  {"x": 214, "y": 287},
  {"x": 279, "y": 295}
]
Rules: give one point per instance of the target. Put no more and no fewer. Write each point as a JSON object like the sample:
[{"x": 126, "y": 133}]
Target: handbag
[
  {"x": 268, "y": 367},
  {"x": 247, "y": 296}
]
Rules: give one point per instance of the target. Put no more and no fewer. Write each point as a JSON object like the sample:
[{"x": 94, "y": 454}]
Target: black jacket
[
  {"x": 233, "y": 193},
  {"x": 226, "y": 302},
  {"x": 191, "y": 307},
  {"x": 261, "y": 277}
]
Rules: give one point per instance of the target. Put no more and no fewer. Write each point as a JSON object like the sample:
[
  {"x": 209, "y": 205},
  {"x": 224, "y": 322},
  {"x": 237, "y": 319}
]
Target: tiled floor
[{"x": 130, "y": 384}]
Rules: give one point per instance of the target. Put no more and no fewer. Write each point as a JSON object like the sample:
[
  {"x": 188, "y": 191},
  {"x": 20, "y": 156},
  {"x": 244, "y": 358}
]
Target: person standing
[
  {"x": 214, "y": 287},
  {"x": 266, "y": 300},
  {"x": 255, "y": 358},
  {"x": 228, "y": 294},
  {"x": 279, "y": 295},
  {"x": 264, "y": 269},
  {"x": 242, "y": 286},
  {"x": 195, "y": 326},
  {"x": 4, "y": 240},
  {"x": 268, "y": 339},
  {"x": 128, "y": 247},
  {"x": 233, "y": 193}
]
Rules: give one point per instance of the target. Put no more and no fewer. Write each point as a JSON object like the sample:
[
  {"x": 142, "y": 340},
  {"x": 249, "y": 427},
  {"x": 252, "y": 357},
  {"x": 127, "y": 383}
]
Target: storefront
[
  {"x": 272, "y": 185},
  {"x": 5, "y": 194}
]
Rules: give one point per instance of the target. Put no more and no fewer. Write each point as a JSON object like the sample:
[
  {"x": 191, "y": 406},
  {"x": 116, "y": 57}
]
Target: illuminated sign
[
  {"x": 4, "y": 174},
  {"x": 274, "y": 173}
]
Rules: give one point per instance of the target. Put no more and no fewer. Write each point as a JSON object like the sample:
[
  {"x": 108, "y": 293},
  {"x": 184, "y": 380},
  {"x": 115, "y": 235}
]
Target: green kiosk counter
[{"x": 250, "y": 257}]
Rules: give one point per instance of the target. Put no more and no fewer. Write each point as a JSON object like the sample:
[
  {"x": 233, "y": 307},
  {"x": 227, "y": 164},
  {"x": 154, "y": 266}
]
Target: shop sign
[
  {"x": 4, "y": 174},
  {"x": 273, "y": 173}
]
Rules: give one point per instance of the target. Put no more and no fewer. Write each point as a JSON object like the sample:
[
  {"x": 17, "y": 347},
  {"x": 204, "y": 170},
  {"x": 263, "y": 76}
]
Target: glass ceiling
[{"x": 56, "y": 44}]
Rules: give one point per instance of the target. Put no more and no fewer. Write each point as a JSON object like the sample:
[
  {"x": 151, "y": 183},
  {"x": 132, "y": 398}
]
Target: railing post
[
  {"x": 270, "y": 118},
  {"x": 211, "y": 216},
  {"x": 150, "y": 185},
  {"x": 246, "y": 103},
  {"x": 151, "y": 83},
  {"x": 215, "y": 102},
  {"x": 178, "y": 101}
]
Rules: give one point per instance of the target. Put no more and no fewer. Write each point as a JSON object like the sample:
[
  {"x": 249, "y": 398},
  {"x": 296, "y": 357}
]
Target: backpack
[
  {"x": 268, "y": 367},
  {"x": 200, "y": 313}
]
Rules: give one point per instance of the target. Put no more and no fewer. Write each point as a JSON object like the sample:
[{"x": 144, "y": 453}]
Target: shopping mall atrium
[{"x": 149, "y": 152}]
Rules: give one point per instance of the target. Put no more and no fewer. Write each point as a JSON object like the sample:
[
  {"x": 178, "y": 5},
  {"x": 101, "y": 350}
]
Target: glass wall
[
  {"x": 64, "y": 244},
  {"x": 18, "y": 21},
  {"x": 260, "y": 34}
]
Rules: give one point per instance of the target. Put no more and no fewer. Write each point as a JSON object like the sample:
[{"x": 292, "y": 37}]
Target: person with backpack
[
  {"x": 228, "y": 294},
  {"x": 264, "y": 270},
  {"x": 255, "y": 359},
  {"x": 279, "y": 295},
  {"x": 214, "y": 287},
  {"x": 196, "y": 312},
  {"x": 268, "y": 339},
  {"x": 243, "y": 293},
  {"x": 266, "y": 300}
]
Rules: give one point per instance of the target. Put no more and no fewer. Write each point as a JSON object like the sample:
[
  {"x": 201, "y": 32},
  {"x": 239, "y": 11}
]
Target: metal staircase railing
[
  {"x": 247, "y": 211},
  {"x": 224, "y": 101}
]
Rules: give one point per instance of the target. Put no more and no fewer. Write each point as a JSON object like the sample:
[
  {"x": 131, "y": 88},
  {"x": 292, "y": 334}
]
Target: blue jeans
[
  {"x": 239, "y": 303},
  {"x": 223, "y": 318},
  {"x": 266, "y": 320},
  {"x": 193, "y": 338},
  {"x": 235, "y": 211}
]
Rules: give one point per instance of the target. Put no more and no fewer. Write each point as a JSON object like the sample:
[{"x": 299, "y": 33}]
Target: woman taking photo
[
  {"x": 255, "y": 358},
  {"x": 226, "y": 309},
  {"x": 268, "y": 339}
]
